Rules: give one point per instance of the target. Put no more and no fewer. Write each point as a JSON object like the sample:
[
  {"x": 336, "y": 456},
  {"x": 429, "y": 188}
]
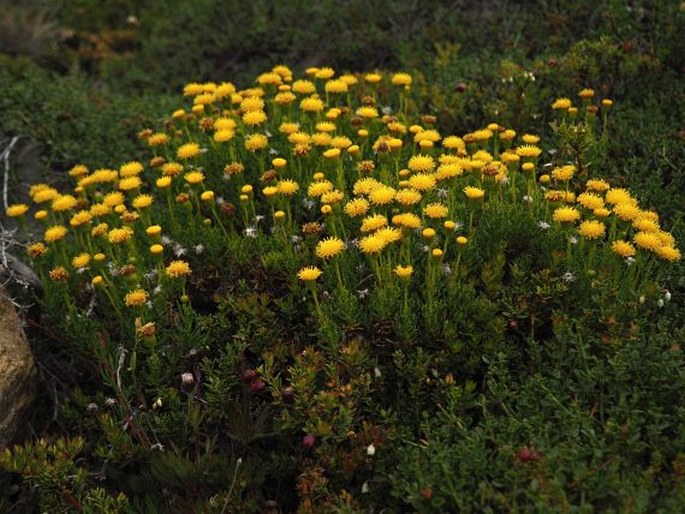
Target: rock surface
[{"x": 17, "y": 373}]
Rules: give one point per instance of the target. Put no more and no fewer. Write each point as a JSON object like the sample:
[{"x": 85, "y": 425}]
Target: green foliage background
[{"x": 79, "y": 79}]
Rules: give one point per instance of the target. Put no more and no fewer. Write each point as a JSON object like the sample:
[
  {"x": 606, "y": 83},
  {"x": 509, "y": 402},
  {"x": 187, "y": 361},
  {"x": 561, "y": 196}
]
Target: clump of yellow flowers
[{"x": 336, "y": 170}]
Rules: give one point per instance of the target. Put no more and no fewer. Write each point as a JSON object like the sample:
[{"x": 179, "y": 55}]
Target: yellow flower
[
  {"x": 158, "y": 139},
  {"x": 422, "y": 182},
  {"x": 64, "y": 203},
  {"x": 340, "y": 142},
  {"x": 428, "y": 233},
  {"x": 565, "y": 215},
  {"x": 626, "y": 211},
  {"x": 563, "y": 173},
  {"x": 407, "y": 220},
  {"x": 461, "y": 240},
  {"x": 81, "y": 260},
  {"x": 436, "y": 210},
  {"x": 178, "y": 269},
  {"x": 153, "y": 230},
  {"x": 55, "y": 233},
  {"x": 194, "y": 177},
  {"x": 188, "y": 151},
  {"x": 58, "y": 274},
  {"x": 99, "y": 230},
  {"x": 142, "y": 201},
  {"x": 591, "y": 229},
  {"x": 332, "y": 197},
  {"x": 252, "y": 118},
  {"x": 586, "y": 93},
  {"x": 16, "y": 210},
  {"x": 255, "y": 142},
  {"x": 618, "y": 195},
  {"x": 647, "y": 241},
  {"x": 319, "y": 187},
  {"x": 223, "y": 136},
  {"x": 371, "y": 223},
  {"x": 172, "y": 169},
  {"x": 389, "y": 234},
  {"x": 41, "y": 215},
  {"x": 404, "y": 271},
  {"x": 163, "y": 182},
  {"x": 332, "y": 153},
  {"x": 382, "y": 195},
  {"x": 336, "y": 86},
  {"x": 668, "y": 253},
  {"x": 46, "y": 194},
  {"x": 329, "y": 247},
  {"x": 646, "y": 224},
  {"x": 309, "y": 273},
  {"x": 453, "y": 143},
  {"x": 401, "y": 79},
  {"x": 528, "y": 151},
  {"x": 474, "y": 193},
  {"x": 421, "y": 163},
  {"x": 287, "y": 187},
  {"x": 78, "y": 171},
  {"x": 590, "y": 201},
  {"x": 365, "y": 185},
  {"x": 130, "y": 169},
  {"x": 130, "y": 183},
  {"x": 448, "y": 170},
  {"x": 304, "y": 87},
  {"x": 207, "y": 196},
  {"x": 100, "y": 209},
  {"x": 561, "y": 104},
  {"x": 356, "y": 207},
  {"x": 80, "y": 218},
  {"x": 373, "y": 78},
  {"x": 252, "y": 103},
  {"x": 367, "y": 112},
  {"x": 597, "y": 185},
  {"x": 156, "y": 249},
  {"x": 530, "y": 139},
  {"x": 410, "y": 196},
  {"x": 270, "y": 191},
  {"x": 224, "y": 123},
  {"x": 120, "y": 235},
  {"x": 279, "y": 162},
  {"x": 36, "y": 250},
  {"x": 136, "y": 298},
  {"x": 372, "y": 244},
  {"x": 311, "y": 104},
  {"x": 623, "y": 248}
]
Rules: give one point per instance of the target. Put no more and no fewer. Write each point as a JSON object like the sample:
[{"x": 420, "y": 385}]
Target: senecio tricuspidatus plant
[{"x": 329, "y": 167}]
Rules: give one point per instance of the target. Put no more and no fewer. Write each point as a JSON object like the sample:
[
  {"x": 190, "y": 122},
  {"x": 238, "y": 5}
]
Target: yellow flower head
[
  {"x": 373, "y": 78},
  {"x": 410, "y": 196},
  {"x": 58, "y": 274},
  {"x": 336, "y": 86},
  {"x": 436, "y": 210},
  {"x": 407, "y": 220},
  {"x": 303, "y": 87},
  {"x": 130, "y": 183},
  {"x": 528, "y": 151},
  {"x": 80, "y": 218},
  {"x": 389, "y": 234},
  {"x": 422, "y": 182},
  {"x": 565, "y": 215},
  {"x": 590, "y": 201},
  {"x": 591, "y": 229},
  {"x": 597, "y": 185},
  {"x": 332, "y": 197},
  {"x": 329, "y": 247},
  {"x": 255, "y": 142},
  {"x": 623, "y": 248},
  {"x": 626, "y": 211},
  {"x": 309, "y": 273},
  {"x": 371, "y": 223},
  {"x": 365, "y": 185},
  {"x": 404, "y": 271},
  {"x": 16, "y": 210},
  {"x": 561, "y": 104},
  {"x": 648, "y": 241},
  {"x": 158, "y": 139},
  {"x": 372, "y": 244},
  {"x": 136, "y": 298},
  {"x": 120, "y": 235},
  {"x": 194, "y": 177},
  {"x": 668, "y": 253},
  {"x": 382, "y": 195},
  {"x": 287, "y": 187},
  {"x": 421, "y": 163},
  {"x": 64, "y": 203},
  {"x": 618, "y": 195},
  {"x": 474, "y": 193},
  {"x": 319, "y": 187},
  {"x": 81, "y": 260},
  {"x": 356, "y": 207},
  {"x": 312, "y": 104},
  {"x": 367, "y": 112},
  {"x": 401, "y": 79},
  {"x": 178, "y": 269},
  {"x": 55, "y": 233},
  {"x": 188, "y": 151},
  {"x": 130, "y": 169},
  {"x": 563, "y": 173},
  {"x": 253, "y": 118},
  {"x": 142, "y": 201}
]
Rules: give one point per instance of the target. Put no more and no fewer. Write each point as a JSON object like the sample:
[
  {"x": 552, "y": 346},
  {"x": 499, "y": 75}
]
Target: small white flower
[
  {"x": 365, "y": 487},
  {"x": 568, "y": 277},
  {"x": 295, "y": 238},
  {"x": 362, "y": 293},
  {"x": 527, "y": 199},
  {"x": 157, "y": 404},
  {"x": 199, "y": 249},
  {"x": 92, "y": 407},
  {"x": 425, "y": 248},
  {"x": 251, "y": 232},
  {"x": 258, "y": 218},
  {"x": 573, "y": 240},
  {"x": 446, "y": 269},
  {"x": 543, "y": 225},
  {"x": 157, "y": 446},
  {"x": 386, "y": 109},
  {"x": 505, "y": 180},
  {"x": 660, "y": 302},
  {"x": 442, "y": 192},
  {"x": 667, "y": 295},
  {"x": 641, "y": 299},
  {"x": 110, "y": 402},
  {"x": 376, "y": 372},
  {"x": 308, "y": 203},
  {"x": 630, "y": 261},
  {"x": 157, "y": 290},
  {"x": 371, "y": 450},
  {"x": 166, "y": 240},
  {"x": 187, "y": 378}
]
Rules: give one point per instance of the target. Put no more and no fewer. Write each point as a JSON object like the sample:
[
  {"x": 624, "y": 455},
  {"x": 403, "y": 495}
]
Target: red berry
[
  {"x": 523, "y": 454},
  {"x": 257, "y": 386},
  {"x": 308, "y": 442},
  {"x": 249, "y": 375}
]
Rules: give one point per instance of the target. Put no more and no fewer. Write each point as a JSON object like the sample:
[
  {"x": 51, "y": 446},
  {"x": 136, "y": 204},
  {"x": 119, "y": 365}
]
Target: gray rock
[{"x": 18, "y": 378}]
